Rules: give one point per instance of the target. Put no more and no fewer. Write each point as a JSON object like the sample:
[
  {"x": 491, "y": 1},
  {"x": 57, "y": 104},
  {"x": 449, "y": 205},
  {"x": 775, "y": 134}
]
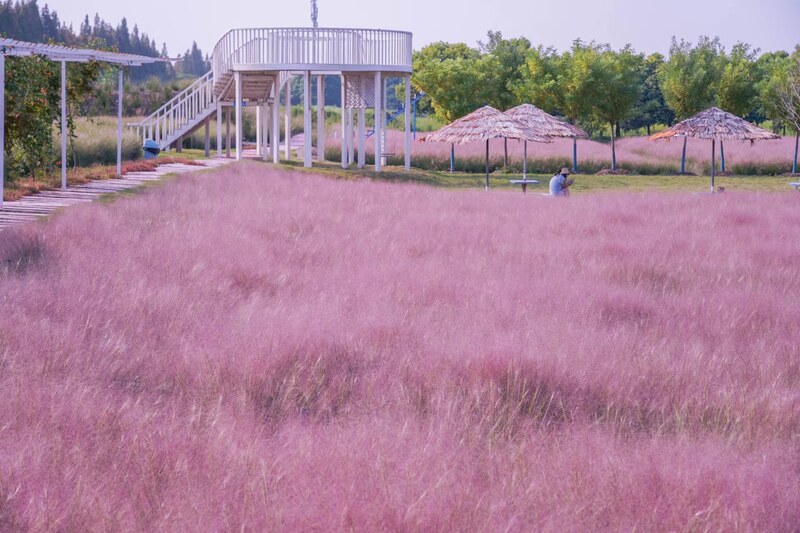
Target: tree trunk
[
  {"x": 617, "y": 127},
  {"x": 613, "y": 150},
  {"x": 505, "y": 155},
  {"x": 575, "y": 155},
  {"x": 796, "y": 142},
  {"x": 683, "y": 157},
  {"x": 648, "y": 130}
]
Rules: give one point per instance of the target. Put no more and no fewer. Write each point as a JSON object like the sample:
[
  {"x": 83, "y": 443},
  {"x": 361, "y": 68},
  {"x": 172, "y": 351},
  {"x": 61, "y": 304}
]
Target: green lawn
[{"x": 583, "y": 183}]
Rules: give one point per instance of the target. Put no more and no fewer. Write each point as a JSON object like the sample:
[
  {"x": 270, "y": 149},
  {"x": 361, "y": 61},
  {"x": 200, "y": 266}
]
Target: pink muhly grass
[
  {"x": 264, "y": 349},
  {"x": 635, "y": 152}
]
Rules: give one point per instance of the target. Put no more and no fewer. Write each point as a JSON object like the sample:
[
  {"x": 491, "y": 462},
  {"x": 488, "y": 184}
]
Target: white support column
[
  {"x": 239, "y": 129},
  {"x": 344, "y": 123},
  {"x": 320, "y": 118},
  {"x": 276, "y": 123},
  {"x": 362, "y": 119},
  {"x": 228, "y": 132},
  {"x": 3, "y": 126},
  {"x": 119, "y": 123},
  {"x": 64, "y": 127},
  {"x": 307, "y": 118},
  {"x": 266, "y": 135},
  {"x": 385, "y": 122},
  {"x": 351, "y": 151},
  {"x": 259, "y": 122},
  {"x": 219, "y": 130},
  {"x": 378, "y": 121},
  {"x": 407, "y": 121},
  {"x": 287, "y": 120}
]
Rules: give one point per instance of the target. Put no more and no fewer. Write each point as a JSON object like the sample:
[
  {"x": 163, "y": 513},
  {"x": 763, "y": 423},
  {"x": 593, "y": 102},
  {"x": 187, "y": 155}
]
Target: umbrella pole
[
  {"x": 574, "y": 154},
  {"x": 525, "y": 161},
  {"x": 713, "y": 162},
  {"x": 487, "y": 165}
]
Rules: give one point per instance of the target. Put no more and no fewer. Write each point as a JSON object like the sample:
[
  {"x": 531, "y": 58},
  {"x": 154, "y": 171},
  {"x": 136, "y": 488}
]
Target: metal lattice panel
[{"x": 359, "y": 90}]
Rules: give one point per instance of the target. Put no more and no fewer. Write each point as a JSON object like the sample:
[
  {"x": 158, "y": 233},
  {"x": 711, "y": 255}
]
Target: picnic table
[
  {"x": 795, "y": 185},
  {"x": 524, "y": 183}
]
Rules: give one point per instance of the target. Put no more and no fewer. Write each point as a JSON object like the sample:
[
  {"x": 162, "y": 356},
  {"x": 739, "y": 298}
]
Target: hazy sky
[{"x": 647, "y": 25}]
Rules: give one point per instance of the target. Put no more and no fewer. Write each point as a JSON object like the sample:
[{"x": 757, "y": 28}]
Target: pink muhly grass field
[
  {"x": 261, "y": 349},
  {"x": 633, "y": 152}
]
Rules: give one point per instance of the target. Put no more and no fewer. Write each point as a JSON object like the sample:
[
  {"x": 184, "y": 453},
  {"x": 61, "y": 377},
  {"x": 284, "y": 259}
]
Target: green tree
[
  {"x": 737, "y": 85},
  {"x": 773, "y": 70},
  {"x": 510, "y": 57},
  {"x": 620, "y": 84},
  {"x": 456, "y": 78},
  {"x": 651, "y": 109},
  {"x": 789, "y": 100},
  {"x": 690, "y": 78}
]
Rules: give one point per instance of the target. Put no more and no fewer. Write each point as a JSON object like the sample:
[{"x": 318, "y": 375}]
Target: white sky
[{"x": 647, "y": 25}]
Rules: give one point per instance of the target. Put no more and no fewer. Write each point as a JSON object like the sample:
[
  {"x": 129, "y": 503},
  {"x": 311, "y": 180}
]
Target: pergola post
[
  {"x": 407, "y": 121},
  {"x": 2, "y": 126},
  {"x": 378, "y": 121},
  {"x": 320, "y": 118},
  {"x": 238, "y": 77},
  {"x": 385, "y": 122},
  {"x": 287, "y": 119},
  {"x": 64, "y": 127},
  {"x": 351, "y": 156},
  {"x": 119, "y": 125},
  {"x": 344, "y": 122},
  {"x": 228, "y": 132},
  {"x": 259, "y": 112},
  {"x": 266, "y": 135},
  {"x": 276, "y": 124},
  {"x": 307, "y": 118},
  {"x": 362, "y": 120}
]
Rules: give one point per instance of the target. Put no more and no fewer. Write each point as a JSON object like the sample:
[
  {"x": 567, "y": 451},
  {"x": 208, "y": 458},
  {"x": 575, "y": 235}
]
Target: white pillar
[
  {"x": 64, "y": 127},
  {"x": 219, "y": 129},
  {"x": 266, "y": 136},
  {"x": 3, "y": 126},
  {"x": 351, "y": 152},
  {"x": 344, "y": 123},
  {"x": 287, "y": 120},
  {"x": 238, "y": 76},
  {"x": 385, "y": 122},
  {"x": 119, "y": 124},
  {"x": 259, "y": 112},
  {"x": 276, "y": 124},
  {"x": 320, "y": 118},
  {"x": 407, "y": 121},
  {"x": 362, "y": 119},
  {"x": 378, "y": 121},
  {"x": 307, "y": 118},
  {"x": 228, "y": 132}
]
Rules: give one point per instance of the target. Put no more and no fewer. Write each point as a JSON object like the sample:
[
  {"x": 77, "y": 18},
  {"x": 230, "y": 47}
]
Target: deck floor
[{"x": 36, "y": 206}]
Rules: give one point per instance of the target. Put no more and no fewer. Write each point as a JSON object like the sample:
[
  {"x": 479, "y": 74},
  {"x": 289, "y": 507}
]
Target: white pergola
[
  {"x": 64, "y": 55},
  {"x": 253, "y": 66}
]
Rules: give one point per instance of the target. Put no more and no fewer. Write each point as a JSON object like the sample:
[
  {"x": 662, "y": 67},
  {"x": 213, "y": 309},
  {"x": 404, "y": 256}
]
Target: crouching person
[{"x": 560, "y": 183}]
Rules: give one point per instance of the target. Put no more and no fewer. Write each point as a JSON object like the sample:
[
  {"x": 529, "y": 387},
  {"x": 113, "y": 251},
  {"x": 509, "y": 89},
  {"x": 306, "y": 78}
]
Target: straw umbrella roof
[
  {"x": 716, "y": 124},
  {"x": 481, "y": 125},
  {"x": 544, "y": 123}
]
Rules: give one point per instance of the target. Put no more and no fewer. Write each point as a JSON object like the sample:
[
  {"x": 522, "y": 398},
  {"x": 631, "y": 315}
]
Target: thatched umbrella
[
  {"x": 717, "y": 125},
  {"x": 482, "y": 125},
  {"x": 544, "y": 123}
]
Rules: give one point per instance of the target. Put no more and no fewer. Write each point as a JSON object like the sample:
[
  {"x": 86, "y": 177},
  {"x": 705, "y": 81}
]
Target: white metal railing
[
  {"x": 182, "y": 110},
  {"x": 360, "y": 49}
]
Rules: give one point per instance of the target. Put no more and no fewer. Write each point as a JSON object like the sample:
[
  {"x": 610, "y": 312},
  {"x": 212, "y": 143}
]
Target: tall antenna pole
[{"x": 314, "y": 13}]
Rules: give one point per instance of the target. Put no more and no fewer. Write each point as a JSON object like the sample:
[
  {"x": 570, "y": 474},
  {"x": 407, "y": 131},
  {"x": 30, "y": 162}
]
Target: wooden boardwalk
[{"x": 36, "y": 206}]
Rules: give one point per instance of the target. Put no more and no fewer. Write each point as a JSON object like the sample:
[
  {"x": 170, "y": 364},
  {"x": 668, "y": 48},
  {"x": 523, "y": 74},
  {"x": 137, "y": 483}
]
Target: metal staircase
[{"x": 182, "y": 115}]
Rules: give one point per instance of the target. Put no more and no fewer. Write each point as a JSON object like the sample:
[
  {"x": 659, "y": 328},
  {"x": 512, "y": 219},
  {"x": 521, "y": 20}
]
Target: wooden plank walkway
[{"x": 36, "y": 206}]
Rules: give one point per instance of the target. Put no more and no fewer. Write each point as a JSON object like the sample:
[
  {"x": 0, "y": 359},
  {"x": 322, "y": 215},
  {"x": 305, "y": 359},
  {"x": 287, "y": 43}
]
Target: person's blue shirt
[{"x": 557, "y": 185}]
